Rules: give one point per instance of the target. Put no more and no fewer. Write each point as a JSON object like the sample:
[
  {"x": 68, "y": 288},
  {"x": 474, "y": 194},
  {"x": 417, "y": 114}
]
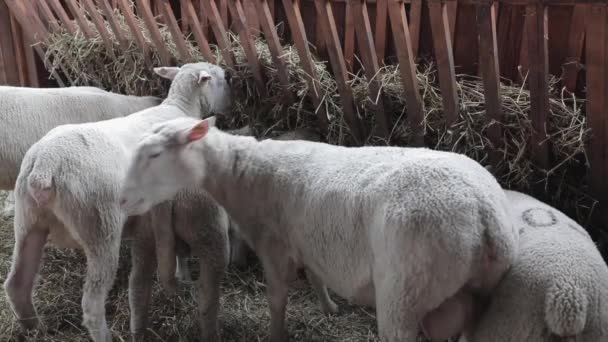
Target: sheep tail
[
  {"x": 566, "y": 308},
  {"x": 40, "y": 185}
]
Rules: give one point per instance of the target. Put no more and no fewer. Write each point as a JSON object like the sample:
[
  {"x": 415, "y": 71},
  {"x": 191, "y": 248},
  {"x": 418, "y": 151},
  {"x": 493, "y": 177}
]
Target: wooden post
[
  {"x": 370, "y": 63},
  {"x": 146, "y": 14},
  {"x": 294, "y": 18},
  {"x": 100, "y": 25},
  {"x": 48, "y": 16},
  {"x": 118, "y": 32},
  {"x": 415, "y": 23},
  {"x": 575, "y": 46},
  {"x": 7, "y": 49},
  {"x": 199, "y": 34},
  {"x": 127, "y": 11},
  {"x": 445, "y": 59},
  {"x": 219, "y": 30},
  {"x": 19, "y": 52},
  {"x": 80, "y": 19},
  {"x": 403, "y": 44},
  {"x": 488, "y": 65},
  {"x": 380, "y": 34},
  {"x": 452, "y": 13},
  {"x": 538, "y": 82},
  {"x": 334, "y": 48},
  {"x": 597, "y": 102},
  {"x": 238, "y": 15},
  {"x": 176, "y": 33},
  {"x": 63, "y": 16},
  {"x": 349, "y": 36},
  {"x": 33, "y": 32},
  {"x": 274, "y": 45}
]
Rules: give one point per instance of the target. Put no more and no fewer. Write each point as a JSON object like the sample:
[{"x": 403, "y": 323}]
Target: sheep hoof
[
  {"x": 330, "y": 308},
  {"x": 138, "y": 337}
]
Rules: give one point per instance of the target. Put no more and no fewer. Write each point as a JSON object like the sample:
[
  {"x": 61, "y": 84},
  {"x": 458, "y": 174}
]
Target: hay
[{"x": 244, "y": 312}]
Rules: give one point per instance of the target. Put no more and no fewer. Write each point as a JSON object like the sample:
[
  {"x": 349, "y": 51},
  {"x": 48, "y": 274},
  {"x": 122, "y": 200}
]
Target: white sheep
[
  {"x": 238, "y": 249},
  {"x": 400, "y": 229},
  {"x": 68, "y": 187},
  {"x": 27, "y": 114},
  {"x": 556, "y": 289}
]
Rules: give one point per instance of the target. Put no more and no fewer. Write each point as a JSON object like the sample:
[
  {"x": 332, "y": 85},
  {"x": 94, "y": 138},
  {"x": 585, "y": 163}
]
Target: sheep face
[
  {"x": 164, "y": 163},
  {"x": 209, "y": 83}
]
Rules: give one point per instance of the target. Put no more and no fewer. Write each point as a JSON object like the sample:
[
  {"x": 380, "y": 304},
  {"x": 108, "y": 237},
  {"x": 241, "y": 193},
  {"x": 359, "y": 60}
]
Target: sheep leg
[
  {"x": 327, "y": 305},
  {"x": 140, "y": 285},
  {"x": 209, "y": 281},
  {"x": 183, "y": 269},
  {"x": 161, "y": 221},
  {"x": 102, "y": 264},
  {"x": 9, "y": 205},
  {"x": 19, "y": 285},
  {"x": 409, "y": 285},
  {"x": 277, "y": 268},
  {"x": 238, "y": 248},
  {"x": 452, "y": 317}
]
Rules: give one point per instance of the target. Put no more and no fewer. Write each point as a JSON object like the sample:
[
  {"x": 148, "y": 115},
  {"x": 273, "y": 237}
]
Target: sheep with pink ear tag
[{"x": 412, "y": 232}]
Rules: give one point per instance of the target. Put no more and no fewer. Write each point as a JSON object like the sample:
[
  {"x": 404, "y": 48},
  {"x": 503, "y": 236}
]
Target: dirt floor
[{"x": 244, "y": 315}]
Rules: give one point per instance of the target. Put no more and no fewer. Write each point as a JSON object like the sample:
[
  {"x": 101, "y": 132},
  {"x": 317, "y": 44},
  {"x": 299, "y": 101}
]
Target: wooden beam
[
  {"x": 488, "y": 65},
  {"x": 48, "y": 15},
  {"x": 597, "y": 102},
  {"x": 219, "y": 30},
  {"x": 80, "y": 19},
  {"x": 415, "y": 24},
  {"x": 371, "y": 66},
  {"x": 349, "y": 36},
  {"x": 19, "y": 52},
  {"x": 403, "y": 45},
  {"x": 178, "y": 38},
  {"x": 274, "y": 45},
  {"x": 538, "y": 82},
  {"x": 576, "y": 42},
  {"x": 445, "y": 59},
  {"x": 100, "y": 25},
  {"x": 197, "y": 29},
  {"x": 118, "y": 32},
  {"x": 452, "y": 13},
  {"x": 34, "y": 33},
  {"x": 315, "y": 91},
  {"x": 334, "y": 48},
  {"x": 63, "y": 16},
  {"x": 237, "y": 13},
  {"x": 127, "y": 12},
  {"x": 146, "y": 13},
  {"x": 380, "y": 33}
]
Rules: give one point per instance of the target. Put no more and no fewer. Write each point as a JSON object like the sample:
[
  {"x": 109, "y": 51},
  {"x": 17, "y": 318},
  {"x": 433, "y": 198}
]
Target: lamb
[
  {"x": 399, "y": 229},
  {"x": 557, "y": 289},
  {"x": 29, "y": 113},
  {"x": 67, "y": 192},
  {"x": 186, "y": 214}
]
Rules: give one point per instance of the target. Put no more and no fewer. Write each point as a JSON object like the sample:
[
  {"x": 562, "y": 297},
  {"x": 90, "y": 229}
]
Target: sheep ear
[
  {"x": 200, "y": 129},
  {"x": 203, "y": 76},
  {"x": 167, "y": 72}
]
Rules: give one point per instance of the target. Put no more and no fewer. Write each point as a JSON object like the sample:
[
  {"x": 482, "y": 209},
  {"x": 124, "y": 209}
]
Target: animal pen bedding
[{"x": 244, "y": 307}]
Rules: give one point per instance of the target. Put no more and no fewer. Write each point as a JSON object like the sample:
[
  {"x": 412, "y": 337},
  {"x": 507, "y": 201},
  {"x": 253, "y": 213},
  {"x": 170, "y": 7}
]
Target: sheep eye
[{"x": 155, "y": 155}]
